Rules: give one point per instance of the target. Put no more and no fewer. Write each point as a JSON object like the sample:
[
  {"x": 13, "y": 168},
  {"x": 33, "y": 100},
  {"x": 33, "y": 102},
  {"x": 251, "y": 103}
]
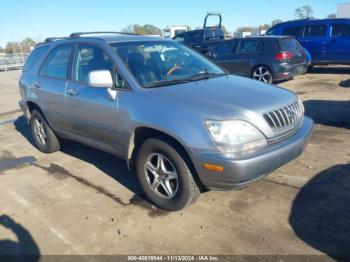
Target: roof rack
[{"x": 79, "y": 34}]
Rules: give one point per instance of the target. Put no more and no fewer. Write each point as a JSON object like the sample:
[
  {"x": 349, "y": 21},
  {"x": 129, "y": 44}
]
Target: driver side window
[{"x": 90, "y": 58}]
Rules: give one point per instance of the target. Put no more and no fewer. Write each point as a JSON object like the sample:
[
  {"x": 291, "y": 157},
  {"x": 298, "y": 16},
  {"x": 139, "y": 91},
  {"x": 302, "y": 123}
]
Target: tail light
[{"x": 284, "y": 56}]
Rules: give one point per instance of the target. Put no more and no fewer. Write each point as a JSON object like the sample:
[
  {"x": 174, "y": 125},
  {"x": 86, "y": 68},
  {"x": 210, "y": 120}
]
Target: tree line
[{"x": 24, "y": 46}]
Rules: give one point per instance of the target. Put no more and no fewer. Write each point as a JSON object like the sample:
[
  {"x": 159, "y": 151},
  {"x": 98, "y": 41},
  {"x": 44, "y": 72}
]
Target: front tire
[
  {"x": 165, "y": 176},
  {"x": 262, "y": 74},
  {"x": 44, "y": 138}
]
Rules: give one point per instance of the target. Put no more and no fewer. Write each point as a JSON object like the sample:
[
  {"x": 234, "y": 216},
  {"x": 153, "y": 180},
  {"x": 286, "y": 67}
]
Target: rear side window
[
  {"x": 315, "y": 30},
  {"x": 34, "y": 57},
  {"x": 56, "y": 63},
  {"x": 226, "y": 48},
  {"x": 249, "y": 46},
  {"x": 289, "y": 44},
  {"x": 294, "y": 31},
  {"x": 341, "y": 30},
  {"x": 90, "y": 58},
  {"x": 213, "y": 34}
]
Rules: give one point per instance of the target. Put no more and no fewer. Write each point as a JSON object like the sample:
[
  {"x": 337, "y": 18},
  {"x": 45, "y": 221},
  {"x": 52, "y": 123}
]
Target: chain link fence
[{"x": 12, "y": 61}]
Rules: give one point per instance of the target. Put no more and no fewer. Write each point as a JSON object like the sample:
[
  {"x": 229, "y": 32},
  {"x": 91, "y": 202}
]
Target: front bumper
[{"x": 241, "y": 171}]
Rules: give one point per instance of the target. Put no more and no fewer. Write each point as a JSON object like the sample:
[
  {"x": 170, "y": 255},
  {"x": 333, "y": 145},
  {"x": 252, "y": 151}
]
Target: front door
[{"x": 94, "y": 114}]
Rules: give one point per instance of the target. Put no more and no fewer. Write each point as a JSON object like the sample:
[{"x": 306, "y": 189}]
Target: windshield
[{"x": 164, "y": 63}]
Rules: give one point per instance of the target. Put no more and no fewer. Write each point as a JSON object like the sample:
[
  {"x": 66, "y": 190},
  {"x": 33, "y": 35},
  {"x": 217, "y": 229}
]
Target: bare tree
[
  {"x": 304, "y": 12},
  {"x": 276, "y": 21},
  {"x": 331, "y": 16}
]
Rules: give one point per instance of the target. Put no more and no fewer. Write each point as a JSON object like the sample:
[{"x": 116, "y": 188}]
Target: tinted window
[
  {"x": 289, "y": 44},
  {"x": 56, "y": 64},
  {"x": 341, "y": 30},
  {"x": 213, "y": 34},
  {"x": 34, "y": 57},
  {"x": 315, "y": 30},
  {"x": 225, "y": 48},
  {"x": 194, "y": 37},
  {"x": 89, "y": 58},
  {"x": 249, "y": 46},
  {"x": 292, "y": 31}
]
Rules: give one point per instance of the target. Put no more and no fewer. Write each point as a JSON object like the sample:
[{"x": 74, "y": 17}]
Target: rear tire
[
  {"x": 164, "y": 175},
  {"x": 44, "y": 138},
  {"x": 263, "y": 74}
]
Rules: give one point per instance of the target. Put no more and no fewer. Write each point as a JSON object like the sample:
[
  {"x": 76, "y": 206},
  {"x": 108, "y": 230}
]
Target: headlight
[{"x": 235, "y": 136}]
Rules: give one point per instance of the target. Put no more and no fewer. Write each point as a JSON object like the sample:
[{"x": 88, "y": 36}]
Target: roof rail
[
  {"x": 51, "y": 39},
  {"x": 75, "y": 35}
]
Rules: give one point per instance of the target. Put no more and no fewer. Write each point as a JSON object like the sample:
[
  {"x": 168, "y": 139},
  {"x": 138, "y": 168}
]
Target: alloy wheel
[
  {"x": 161, "y": 175},
  {"x": 39, "y": 131},
  {"x": 262, "y": 74}
]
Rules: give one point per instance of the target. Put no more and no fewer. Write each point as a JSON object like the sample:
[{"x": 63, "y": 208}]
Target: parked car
[
  {"x": 327, "y": 40},
  {"x": 266, "y": 59},
  {"x": 202, "y": 39},
  {"x": 178, "y": 120}
]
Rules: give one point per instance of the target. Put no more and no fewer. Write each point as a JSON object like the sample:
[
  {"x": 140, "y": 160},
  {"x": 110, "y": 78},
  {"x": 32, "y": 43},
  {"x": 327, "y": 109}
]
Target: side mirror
[{"x": 100, "y": 79}]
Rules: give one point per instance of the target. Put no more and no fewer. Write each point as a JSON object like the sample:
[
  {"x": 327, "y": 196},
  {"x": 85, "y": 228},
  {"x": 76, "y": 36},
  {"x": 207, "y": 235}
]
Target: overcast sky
[{"x": 41, "y": 18}]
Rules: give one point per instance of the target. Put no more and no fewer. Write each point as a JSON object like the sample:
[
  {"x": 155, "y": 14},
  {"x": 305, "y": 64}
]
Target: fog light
[{"x": 215, "y": 168}]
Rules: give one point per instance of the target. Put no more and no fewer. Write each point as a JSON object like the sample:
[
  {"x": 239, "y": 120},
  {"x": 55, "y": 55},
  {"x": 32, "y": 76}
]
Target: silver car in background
[{"x": 181, "y": 122}]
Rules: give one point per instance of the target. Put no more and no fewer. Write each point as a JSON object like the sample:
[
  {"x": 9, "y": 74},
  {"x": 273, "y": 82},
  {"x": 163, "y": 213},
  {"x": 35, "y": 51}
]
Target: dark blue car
[{"x": 327, "y": 40}]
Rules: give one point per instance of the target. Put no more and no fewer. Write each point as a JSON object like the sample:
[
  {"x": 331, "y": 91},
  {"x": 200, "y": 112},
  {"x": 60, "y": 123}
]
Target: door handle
[
  {"x": 72, "y": 92},
  {"x": 38, "y": 85}
]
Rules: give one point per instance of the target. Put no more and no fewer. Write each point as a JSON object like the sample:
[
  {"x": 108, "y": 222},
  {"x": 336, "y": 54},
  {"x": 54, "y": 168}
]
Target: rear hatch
[{"x": 296, "y": 53}]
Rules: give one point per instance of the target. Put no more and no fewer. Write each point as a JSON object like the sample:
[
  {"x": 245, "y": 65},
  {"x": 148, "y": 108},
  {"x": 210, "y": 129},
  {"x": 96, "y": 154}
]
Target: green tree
[
  {"x": 304, "y": 12},
  {"x": 152, "y": 30}
]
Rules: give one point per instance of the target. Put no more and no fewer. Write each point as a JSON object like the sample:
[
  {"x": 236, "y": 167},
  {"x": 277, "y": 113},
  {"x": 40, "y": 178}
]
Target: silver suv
[{"x": 181, "y": 122}]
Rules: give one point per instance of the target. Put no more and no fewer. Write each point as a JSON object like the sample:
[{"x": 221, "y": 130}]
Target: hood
[
  {"x": 229, "y": 97},
  {"x": 223, "y": 96}
]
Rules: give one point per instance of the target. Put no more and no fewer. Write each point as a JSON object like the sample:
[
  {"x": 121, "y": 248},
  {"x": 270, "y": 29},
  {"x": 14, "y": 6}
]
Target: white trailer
[
  {"x": 172, "y": 31},
  {"x": 343, "y": 10}
]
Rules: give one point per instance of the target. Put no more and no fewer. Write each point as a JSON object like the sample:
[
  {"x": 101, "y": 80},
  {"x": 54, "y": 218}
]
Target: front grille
[{"x": 285, "y": 117}]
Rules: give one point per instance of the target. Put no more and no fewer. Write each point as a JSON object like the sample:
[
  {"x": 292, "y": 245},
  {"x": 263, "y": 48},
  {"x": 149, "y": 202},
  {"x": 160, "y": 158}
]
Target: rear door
[
  {"x": 338, "y": 46},
  {"x": 245, "y": 56},
  {"x": 93, "y": 114},
  {"x": 313, "y": 39},
  {"x": 50, "y": 85}
]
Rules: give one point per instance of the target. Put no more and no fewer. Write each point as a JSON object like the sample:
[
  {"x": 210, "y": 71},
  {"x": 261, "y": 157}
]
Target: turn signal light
[{"x": 215, "y": 168}]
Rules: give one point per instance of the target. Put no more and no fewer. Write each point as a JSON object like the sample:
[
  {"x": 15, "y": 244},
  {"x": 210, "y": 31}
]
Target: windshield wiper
[
  {"x": 169, "y": 82},
  {"x": 205, "y": 75}
]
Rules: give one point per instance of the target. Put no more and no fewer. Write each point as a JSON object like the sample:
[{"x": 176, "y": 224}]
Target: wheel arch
[{"x": 141, "y": 134}]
